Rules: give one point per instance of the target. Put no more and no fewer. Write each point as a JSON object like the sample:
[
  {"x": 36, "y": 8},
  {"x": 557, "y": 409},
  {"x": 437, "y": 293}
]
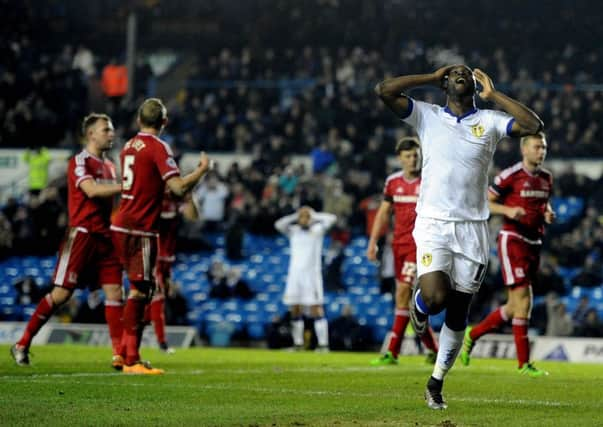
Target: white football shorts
[
  {"x": 303, "y": 288},
  {"x": 457, "y": 248}
]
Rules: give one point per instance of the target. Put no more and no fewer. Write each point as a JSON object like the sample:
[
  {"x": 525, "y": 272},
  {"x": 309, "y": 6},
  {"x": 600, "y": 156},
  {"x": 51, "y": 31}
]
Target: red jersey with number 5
[
  {"x": 146, "y": 163},
  {"x": 516, "y": 186},
  {"x": 403, "y": 194},
  {"x": 92, "y": 214}
]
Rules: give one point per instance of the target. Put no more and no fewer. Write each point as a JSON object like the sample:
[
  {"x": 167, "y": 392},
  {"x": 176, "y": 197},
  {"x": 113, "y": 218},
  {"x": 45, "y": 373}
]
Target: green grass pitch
[{"x": 74, "y": 385}]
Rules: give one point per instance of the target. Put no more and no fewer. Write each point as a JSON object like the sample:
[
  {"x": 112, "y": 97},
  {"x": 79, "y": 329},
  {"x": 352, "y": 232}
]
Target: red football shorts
[
  {"x": 137, "y": 254},
  {"x": 86, "y": 259},
  {"x": 405, "y": 263},
  {"x": 519, "y": 259}
]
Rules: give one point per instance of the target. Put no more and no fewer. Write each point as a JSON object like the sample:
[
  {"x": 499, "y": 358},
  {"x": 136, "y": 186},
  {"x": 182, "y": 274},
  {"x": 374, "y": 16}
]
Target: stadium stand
[{"x": 274, "y": 88}]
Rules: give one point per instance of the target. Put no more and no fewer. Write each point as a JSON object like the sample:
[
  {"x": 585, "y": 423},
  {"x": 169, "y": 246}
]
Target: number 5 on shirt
[{"x": 128, "y": 173}]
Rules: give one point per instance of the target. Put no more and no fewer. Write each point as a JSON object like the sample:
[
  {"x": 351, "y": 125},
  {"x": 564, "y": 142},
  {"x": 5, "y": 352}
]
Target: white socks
[
  {"x": 297, "y": 331},
  {"x": 450, "y": 345},
  {"x": 321, "y": 327}
]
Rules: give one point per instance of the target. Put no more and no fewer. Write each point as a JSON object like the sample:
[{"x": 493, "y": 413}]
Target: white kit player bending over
[
  {"x": 451, "y": 233},
  {"x": 306, "y": 230}
]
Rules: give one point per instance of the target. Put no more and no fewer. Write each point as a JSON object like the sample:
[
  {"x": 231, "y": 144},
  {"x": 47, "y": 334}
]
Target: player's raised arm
[
  {"x": 526, "y": 122},
  {"x": 93, "y": 189},
  {"x": 391, "y": 91},
  {"x": 282, "y": 224},
  {"x": 180, "y": 185},
  {"x": 380, "y": 220},
  {"x": 326, "y": 219}
]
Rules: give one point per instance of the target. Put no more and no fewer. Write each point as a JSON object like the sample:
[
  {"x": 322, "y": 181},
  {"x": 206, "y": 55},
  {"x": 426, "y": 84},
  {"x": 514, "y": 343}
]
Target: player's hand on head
[
  {"x": 515, "y": 212},
  {"x": 441, "y": 73},
  {"x": 486, "y": 82}
]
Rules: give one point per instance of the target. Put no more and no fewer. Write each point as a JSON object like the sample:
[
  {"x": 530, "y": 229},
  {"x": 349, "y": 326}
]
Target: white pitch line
[{"x": 284, "y": 391}]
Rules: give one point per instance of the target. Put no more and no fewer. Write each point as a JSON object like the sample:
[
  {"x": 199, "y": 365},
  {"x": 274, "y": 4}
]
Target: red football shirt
[
  {"x": 515, "y": 186},
  {"x": 146, "y": 162},
  {"x": 93, "y": 214},
  {"x": 403, "y": 194}
]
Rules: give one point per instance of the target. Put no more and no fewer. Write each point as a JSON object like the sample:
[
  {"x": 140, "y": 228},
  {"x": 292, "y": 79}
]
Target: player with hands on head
[
  {"x": 451, "y": 232},
  {"x": 305, "y": 230}
]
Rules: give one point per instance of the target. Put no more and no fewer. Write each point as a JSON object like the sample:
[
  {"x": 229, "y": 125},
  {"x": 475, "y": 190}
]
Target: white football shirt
[
  {"x": 306, "y": 243},
  {"x": 456, "y": 154}
]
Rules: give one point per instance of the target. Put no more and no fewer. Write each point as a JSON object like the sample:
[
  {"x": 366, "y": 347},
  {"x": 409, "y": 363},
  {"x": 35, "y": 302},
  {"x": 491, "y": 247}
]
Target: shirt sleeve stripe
[
  {"x": 409, "y": 110},
  {"x": 81, "y": 179},
  {"x": 170, "y": 173},
  {"x": 510, "y": 126}
]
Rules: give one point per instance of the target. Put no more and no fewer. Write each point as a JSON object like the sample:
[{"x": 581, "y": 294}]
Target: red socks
[
  {"x": 133, "y": 325},
  {"x": 493, "y": 321},
  {"x": 113, "y": 315},
  {"x": 398, "y": 328},
  {"x": 157, "y": 315},
  {"x": 429, "y": 340},
  {"x": 522, "y": 344},
  {"x": 44, "y": 311}
]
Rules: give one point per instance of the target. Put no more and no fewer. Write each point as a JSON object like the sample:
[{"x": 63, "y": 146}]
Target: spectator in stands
[
  {"x": 336, "y": 201},
  {"x": 28, "y": 291},
  {"x": 559, "y": 323},
  {"x": 231, "y": 285},
  {"x": 347, "y": 334},
  {"x": 83, "y": 60},
  {"x": 581, "y": 311},
  {"x": 114, "y": 81},
  {"x": 322, "y": 158},
  {"x": 38, "y": 159},
  {"x": 6, "y": 237},
  {"x": 592, "y": 326},
  {"x": 209, "y": 198},
  {"x": 175, "y": 306}
]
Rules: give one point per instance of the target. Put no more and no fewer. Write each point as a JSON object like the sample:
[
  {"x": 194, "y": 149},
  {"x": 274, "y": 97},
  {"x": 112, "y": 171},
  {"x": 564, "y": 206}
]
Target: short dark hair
[
  {"x": 407, "y": 143},
  {"x": 91, "y": 119},
  {"x": 539, "y": 135},
  {"x": 152, "y": 113}
]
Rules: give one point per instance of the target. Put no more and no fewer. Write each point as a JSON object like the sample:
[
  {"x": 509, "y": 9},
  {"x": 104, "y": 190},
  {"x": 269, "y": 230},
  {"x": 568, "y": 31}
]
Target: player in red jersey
[
  {"x": 147, "y": 166},
  {"x": 401, "y": 193},
  {"x": 86, "y": 255},
  {"x": 520, "y": 193},
  {"x": 168, "y": 229}
]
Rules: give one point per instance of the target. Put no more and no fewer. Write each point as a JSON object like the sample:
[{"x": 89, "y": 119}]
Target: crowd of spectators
[{"x": 310, "y": 91}]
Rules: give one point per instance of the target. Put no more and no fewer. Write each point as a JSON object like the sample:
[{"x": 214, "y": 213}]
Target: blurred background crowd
[{"x": 277, "y": 80}]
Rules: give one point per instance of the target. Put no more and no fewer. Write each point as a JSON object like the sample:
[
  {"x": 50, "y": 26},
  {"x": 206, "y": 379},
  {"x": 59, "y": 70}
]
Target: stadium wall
[
  {"x": 583, "y": 350},
  {"x": 92, "y": 334}
]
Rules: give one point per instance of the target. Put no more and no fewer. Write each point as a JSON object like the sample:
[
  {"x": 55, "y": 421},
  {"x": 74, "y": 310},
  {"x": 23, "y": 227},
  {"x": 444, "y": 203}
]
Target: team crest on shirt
[
  {"x": 426, "y": 260},
  {"x": 478, "y": 130},
  {"x": 171, "y": 162}
]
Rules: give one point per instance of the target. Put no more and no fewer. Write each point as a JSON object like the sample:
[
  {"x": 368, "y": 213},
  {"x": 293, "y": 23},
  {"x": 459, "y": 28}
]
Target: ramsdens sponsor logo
[
  {"x": 534, "y": 193},
  {"x": 405, "y": 199}
]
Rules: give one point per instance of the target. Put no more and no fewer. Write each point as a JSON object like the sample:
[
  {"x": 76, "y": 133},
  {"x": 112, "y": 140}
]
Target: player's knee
[
  {"x": 434, "y": 291},
  {"x": 142, "y": 289},
  {"x": 457, "y": 310},
  {"x": 60, "y": 295}
]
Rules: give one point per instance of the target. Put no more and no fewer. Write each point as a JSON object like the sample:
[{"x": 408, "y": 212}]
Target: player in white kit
[
  {"x": 458, "y": 143},
  {"x": 306, "y": 230}
]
